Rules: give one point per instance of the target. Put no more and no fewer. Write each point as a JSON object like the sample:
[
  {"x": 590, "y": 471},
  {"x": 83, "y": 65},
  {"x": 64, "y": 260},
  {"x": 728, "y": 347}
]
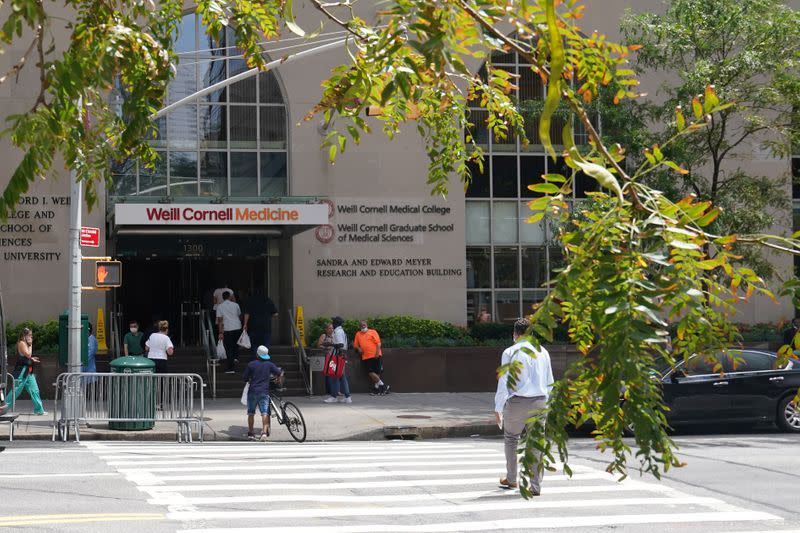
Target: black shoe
[
  {"x": 251, "y": 436},
  {"x": 376, "y": 391},
  {"x": 384, "y": 390}
]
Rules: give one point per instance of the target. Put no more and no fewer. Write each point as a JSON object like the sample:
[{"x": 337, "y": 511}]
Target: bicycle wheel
[{"x": 293, "y": 420}]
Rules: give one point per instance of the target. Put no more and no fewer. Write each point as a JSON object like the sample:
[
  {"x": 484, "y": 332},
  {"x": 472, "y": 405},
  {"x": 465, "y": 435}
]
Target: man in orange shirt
[{"x": 367, "y": 342}]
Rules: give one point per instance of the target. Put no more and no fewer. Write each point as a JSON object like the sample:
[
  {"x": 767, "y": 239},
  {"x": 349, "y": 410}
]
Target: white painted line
[
  {"x": 39, "y": 451},
  {"x": 167, "y": 499},
  {"x": 293, "y": 458},
  {"x": 270, "y": 488},
  {"x": 328, "y": 466},
  {"x": 274, "y": 446},
  {"x": 82, "y": 474},
  {"x": 389, "y": 474},
  {"x": 417, "y": 510},
  {"x": 388, "y": 483},
  {"x": 266, "y": 452},
  {"x": 240, "y": 464},
  {"x": 516, "y": 523}
]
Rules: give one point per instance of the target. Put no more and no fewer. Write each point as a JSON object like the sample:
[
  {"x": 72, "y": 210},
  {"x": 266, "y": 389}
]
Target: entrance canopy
[{"x": 273, "y": 220}]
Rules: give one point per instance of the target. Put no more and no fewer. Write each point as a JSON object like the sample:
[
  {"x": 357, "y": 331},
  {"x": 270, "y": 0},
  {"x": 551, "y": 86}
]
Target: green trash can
[
  {"x": 63, "y": 339},
  {"x": 132, "y": 398}
]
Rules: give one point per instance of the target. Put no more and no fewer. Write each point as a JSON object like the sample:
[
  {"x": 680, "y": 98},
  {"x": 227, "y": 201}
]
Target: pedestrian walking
[
  {"x": 367, "y": 343},
  {"x": 217, "y": 298},
  {"x": 515, "y": 404},
  {"x": 23, "y": 372},
  {"x": 132, "y": 343},
  {"x": 257, "y": 375},
  {"x": 259, "y": 310},
  {"x": 159, "y": 347},
  {"x": 229, "y": 321},
  {"x": 339, "y": 385}
]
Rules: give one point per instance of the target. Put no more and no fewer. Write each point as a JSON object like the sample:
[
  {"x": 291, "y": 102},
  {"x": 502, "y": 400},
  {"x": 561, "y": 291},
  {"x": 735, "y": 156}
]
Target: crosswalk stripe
[
  {"x": 324, "y": 464},
  {"x": 513, "y": 523},
  {"x": 416, "y": 510},
  {"x": 254, "y": 459},
  {"x": 248, "y": 446},
  {"x": 359, "y": 475},
  {"x": 166, "y": 498},
  {"x": 267, "y": 451},
  {"x": 385, "y": 484}
]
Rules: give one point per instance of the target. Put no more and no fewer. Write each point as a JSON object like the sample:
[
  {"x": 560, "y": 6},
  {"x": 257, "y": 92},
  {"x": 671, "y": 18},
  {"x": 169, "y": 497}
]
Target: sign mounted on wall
[
  {"x": 90, "y": 236},
  {"x": 221, "y": 214}
]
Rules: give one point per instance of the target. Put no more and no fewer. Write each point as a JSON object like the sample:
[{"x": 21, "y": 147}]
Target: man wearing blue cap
[{"x": 258, "y": 374}]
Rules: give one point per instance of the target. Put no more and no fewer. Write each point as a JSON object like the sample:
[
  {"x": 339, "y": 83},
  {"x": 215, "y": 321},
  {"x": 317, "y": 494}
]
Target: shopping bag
[
  {"x": 244, "y": 340},
  {"x": 221, "y": 355},
  {"x": 334, "y": 365},
  {"x": 244, "y": 393}
]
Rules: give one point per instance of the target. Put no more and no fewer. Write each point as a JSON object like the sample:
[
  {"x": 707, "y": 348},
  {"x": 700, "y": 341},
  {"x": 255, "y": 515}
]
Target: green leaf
[
  {"x": 546, "y": 188},
  {"x": 557, "y": 58},
  {"x": 710, "y": 100},
  {"x": 554, "y": 178},
  {"x": 288, "y": 17}
]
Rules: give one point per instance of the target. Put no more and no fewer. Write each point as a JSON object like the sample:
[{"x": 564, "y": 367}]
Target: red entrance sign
[{"x": 90, "y": 237}]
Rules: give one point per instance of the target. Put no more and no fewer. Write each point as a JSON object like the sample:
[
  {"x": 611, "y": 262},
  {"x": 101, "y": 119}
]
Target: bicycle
[{"x": 287, "y": 414}]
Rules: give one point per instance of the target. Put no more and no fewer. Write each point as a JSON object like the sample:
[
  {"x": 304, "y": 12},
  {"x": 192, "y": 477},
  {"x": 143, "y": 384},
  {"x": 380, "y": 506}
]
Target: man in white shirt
[
  {"x": 229, "y": 320},
  {"x": 513, "y": 404}
]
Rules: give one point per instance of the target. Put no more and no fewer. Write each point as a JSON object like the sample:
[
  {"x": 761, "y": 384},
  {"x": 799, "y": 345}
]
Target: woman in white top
[{"x": 159, "y": 347}]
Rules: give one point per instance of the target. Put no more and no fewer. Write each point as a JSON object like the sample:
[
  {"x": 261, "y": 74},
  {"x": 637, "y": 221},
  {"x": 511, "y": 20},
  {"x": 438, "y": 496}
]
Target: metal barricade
[{"x": 116, "y": 397}]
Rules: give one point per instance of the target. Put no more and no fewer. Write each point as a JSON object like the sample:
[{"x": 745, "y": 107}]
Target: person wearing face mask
[
  {"x": 367, "y": 342},
  {"x": 525, "y": 397},
  {"x": 132, "y": 342},
  {"x": 23, "y": 372}
]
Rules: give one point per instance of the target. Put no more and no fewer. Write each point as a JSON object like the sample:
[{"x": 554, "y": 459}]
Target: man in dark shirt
[
  {"x": 790, "y": 332},
  {"x": 259, "y": 311},
  {"x": 258, "y": 374}
]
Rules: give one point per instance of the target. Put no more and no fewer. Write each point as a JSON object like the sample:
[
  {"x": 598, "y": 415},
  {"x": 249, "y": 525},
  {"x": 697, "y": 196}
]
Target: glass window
[
  {"x": 244, "y": 174},
  {"x": 479, "y": 304},
  {"x": 701, "y": 365},
  {"x": 505, "y": 223},
  {"x": 506, "y": 267},
  {"x": 269, "y": 90},
  {"x": 479, "y": 185},
  {"x": 796, "y": 177},
  {"x": 530, "y": 233},
  {"x": 479, "y": 129},
  {"x": 507, "y": 305},
  {"x": 479, "y": 262},
  {"x": 534, "y": 267},
  {"x": 746, "y": 361},
  {"x": 182, "y": 128},
  {"x": 531, "y": 298},
  {"x": 477, "y": 229},
  {"x": 531, "y": 169},
  {"x": 183, "y": 173},
  {"x": 213, "y": 126},
  {"x": 243, "y": 126},
  {"x": 504, "y": 177},
  {"x": 214, "y": 173},
  {"x": 250, "y": 116},
  {"x": 273, "y": 127},
  {"x": 273, "y": 174}
]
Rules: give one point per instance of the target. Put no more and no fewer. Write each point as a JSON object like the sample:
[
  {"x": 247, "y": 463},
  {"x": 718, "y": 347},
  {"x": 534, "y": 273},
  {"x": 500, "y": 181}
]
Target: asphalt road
[{"x": 732, "y": 482}]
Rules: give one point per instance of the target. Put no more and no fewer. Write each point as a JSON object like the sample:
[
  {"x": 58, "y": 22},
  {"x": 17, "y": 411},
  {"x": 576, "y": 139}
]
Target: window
[
  {"x": 231, "y": 143},
  {"x": 743, "y": 361},
  {"x": 510, "y": 269}
]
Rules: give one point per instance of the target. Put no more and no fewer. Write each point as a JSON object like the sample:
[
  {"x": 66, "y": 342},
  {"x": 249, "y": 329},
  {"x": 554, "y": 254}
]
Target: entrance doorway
[{"x": 174, "y": 278}]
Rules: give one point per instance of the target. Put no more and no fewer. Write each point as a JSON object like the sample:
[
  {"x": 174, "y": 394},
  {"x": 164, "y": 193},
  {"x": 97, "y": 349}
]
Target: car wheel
[{"x": 788, "y": 415}]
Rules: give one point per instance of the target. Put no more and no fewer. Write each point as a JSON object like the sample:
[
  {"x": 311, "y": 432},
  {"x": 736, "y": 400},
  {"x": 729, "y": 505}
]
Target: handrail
[
  {"x": 302, "y": 357},
  {"x": 207, "y": 340}
]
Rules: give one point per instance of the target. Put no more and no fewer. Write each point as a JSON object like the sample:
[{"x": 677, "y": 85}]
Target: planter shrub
[{"x": 45, "y": 336}]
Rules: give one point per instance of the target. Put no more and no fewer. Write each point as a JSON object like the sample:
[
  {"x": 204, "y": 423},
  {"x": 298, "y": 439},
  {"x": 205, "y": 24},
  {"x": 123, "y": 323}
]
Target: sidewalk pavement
[{"x": 396, "y": 415}]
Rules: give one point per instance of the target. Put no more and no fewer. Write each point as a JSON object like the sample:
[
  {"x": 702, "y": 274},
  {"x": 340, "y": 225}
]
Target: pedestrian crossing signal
[{"x": 107, "y": 274}]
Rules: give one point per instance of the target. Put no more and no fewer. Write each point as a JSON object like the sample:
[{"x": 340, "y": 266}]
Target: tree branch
[
  {"x": 15, "y": 70},
  {"x": 324, "y": 9}
]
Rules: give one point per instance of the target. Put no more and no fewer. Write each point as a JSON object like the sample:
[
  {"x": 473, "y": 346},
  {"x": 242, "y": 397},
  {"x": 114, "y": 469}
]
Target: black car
[{"x": 750, "y": 388}]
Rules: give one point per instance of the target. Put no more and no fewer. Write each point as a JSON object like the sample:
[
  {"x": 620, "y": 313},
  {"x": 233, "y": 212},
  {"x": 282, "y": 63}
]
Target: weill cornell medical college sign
[{"x": 216, "y": 214}]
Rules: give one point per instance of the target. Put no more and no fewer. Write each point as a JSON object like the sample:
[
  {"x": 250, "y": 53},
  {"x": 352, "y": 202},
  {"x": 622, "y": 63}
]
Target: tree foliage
[
  {"x": 634, "y": 256},
  {"x": 748, "y": 50}
]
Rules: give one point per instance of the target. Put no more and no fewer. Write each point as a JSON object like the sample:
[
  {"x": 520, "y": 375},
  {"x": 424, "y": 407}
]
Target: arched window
[
  {"x": 509, "y": 261},
  {"x": 230, "y": 144}
]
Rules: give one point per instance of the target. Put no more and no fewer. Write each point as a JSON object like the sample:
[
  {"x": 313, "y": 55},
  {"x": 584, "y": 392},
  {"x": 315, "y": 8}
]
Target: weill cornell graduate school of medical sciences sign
[{"x": 228, "y": 214}]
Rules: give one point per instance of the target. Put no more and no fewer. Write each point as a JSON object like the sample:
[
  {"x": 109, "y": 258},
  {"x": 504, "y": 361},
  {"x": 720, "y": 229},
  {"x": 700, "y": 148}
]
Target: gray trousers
[{"x": 515, "y": 414}]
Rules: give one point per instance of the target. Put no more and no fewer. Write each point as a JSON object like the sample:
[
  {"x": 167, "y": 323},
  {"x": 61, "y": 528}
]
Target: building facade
[{"x": 244, "y": 197}]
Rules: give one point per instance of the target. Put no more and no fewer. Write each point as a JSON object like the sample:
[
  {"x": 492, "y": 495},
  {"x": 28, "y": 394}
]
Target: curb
[{"x": 386, "y": 432}]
